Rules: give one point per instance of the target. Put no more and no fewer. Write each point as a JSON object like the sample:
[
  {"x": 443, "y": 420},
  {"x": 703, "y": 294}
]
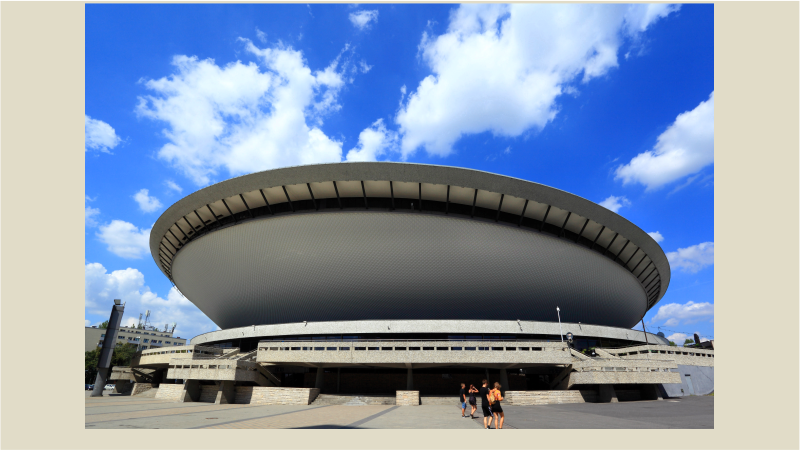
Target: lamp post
[{"x": 558, "y": 311}]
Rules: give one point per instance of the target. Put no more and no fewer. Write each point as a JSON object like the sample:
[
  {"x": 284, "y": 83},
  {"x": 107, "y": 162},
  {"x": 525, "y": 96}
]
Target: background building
[{"x": 143, "y": 338}]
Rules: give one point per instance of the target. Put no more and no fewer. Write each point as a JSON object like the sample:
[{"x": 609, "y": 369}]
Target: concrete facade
[
  {"x": 399, "y": 327},
  {"x": 416, "y": 353}
]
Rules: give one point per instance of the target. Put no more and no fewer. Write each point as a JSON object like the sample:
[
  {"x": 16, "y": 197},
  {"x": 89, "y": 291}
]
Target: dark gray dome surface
[{"x": 336, "y": 266}]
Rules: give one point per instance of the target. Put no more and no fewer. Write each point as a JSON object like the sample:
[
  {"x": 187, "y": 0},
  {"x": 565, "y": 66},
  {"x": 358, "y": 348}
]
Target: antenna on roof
[{"x": 174, "y": 324}]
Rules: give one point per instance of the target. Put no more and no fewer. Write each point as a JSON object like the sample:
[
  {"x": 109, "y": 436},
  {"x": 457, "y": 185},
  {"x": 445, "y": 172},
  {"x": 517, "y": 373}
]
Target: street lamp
[{"x": 558, "y": 311}]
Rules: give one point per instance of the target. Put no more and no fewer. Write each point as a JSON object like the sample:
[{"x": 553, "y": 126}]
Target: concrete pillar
[
  {"x": 338, "y": 377},
  {"x": 409, "y": 380},
  {"x": 226, "y": 394},
  {"x": 191, "y": 391},
  {"x": 320, "y": 378},
  {"x": 504, "y": 380},
  {"x": 123, "y": 387},
  {"x": 651, "y": 392},
  {"x": 607, "y": 394}
]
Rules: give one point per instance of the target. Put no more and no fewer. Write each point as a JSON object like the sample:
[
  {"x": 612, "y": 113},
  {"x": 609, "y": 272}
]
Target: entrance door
[{"x": 689, "y": 383}]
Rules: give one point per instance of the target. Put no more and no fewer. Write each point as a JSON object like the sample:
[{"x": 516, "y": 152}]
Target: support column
[
  {"x": 191, "y": 391},
  {"x": 320, "y": 378},
  {"x": 338, "y": 378},
  {"x": 607, "y": 394},
  {"x": 409, "y": 380},
  {"x": 504, "y": 380},
  {"x": 226, "y": 394},
  {"x": 651, "y": 392}
]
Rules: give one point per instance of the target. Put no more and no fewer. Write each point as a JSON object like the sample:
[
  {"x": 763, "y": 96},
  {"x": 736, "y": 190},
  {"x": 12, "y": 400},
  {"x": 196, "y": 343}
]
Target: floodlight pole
[
  {"x": 558, "y": 311},
  {"x": 107, "y": 351}
]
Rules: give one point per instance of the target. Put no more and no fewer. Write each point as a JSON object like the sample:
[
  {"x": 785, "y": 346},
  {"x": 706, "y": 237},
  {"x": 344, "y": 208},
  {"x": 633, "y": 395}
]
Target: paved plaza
[{"x": 124, "y": 412}]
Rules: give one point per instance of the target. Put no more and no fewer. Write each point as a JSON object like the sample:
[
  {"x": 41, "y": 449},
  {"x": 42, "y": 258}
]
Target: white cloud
[
  {"x": 364, "y": 67},
  {"x": 638, "y": 19},
  {"x": 615, "y": 203},
  {"x": 129, "y": 286},
  {"x": 86, "y": 323},
  {"x": 692, "y": 259},
  {"x": 656, "y": 236},
  {"x": 99, "y": 135},
  {"x": 685, "y": 148},
  {"x": 91, "y": 213},
  {"x": 146, "y": 202},
  {"x": 500, "y": 68},
  {"x": 673, "y": 314},
  {"x": 173, "y": 186},
  {"x": 261, "y": 35},
  {"x": 363, "y": 19},
  {"x": 124, "y": 239},
  {"x": 373, "y": 142},
  {"x": 241, "y": 118},
  {"x": 678, "y": 338}
]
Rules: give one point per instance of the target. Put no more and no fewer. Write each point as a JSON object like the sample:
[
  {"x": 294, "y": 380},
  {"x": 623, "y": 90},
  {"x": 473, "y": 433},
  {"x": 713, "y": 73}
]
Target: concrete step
[{"x": 353, "y": 400}]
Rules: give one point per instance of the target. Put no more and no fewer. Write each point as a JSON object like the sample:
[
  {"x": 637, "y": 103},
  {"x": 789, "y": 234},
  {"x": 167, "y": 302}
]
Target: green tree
[
  {"x": 688, "y": 341},
  {"x": 673, "y": 344},
  {"x": 123, "y": 353},
  {"x": 103, "y": 325}
]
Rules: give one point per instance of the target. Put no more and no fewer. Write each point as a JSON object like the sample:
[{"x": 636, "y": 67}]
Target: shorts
[
  {"x": 463, "y": 405},
  {"x": 487, "y": 412},
  {"x": 496, "y": 408}
]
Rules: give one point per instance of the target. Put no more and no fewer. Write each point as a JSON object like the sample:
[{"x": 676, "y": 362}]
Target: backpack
[{"x": 493, "y": 398}]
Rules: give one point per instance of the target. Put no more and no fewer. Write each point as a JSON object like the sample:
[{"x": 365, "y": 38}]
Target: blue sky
[{"x": 613, "y": 103}]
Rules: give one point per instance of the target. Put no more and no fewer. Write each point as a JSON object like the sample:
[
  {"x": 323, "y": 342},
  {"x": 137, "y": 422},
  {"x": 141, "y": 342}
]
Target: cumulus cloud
[
  {"x": 500, "y": 68},
  {"x": 124, "y": 239},
  {"x": 615, "y": 203},
  {"x": 91, "y": 213},
  {"x": 363, "y": 19},
  {"x": 656, "y": 236},
  {"x": 146, "y": 202},
  {"x": 673, "y": 314},
  {"x": 373, "y": 142},
  {"x": 129, "y": 285},
  {"x": 244, "y": 119},
  {"x": 678, "y": 338},
  {"x": 692, "y": 259},
  {"x": 685, "y": 148},
  {"x": 173, "y": 186},
  {"x": 99, "y": 135}
]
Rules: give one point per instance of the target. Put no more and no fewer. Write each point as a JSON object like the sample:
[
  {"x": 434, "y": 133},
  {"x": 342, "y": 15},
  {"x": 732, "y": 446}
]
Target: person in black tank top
[{"x": 483, "y": 393}]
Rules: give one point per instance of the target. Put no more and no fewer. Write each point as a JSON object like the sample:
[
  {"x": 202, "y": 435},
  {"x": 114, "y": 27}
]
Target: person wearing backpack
[
  {"x": 485, "y": 404},
  {"x": 497, "y": 409}
]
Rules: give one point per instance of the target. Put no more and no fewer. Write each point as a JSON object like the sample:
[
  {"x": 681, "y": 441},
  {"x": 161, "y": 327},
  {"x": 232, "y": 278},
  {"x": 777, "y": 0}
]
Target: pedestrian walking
[
  {"x": 485, "y": 404},
  {"x": 462, "y": 399},
  {"x": 497, "y": 408},
  {"x": 472, "y": 402}
]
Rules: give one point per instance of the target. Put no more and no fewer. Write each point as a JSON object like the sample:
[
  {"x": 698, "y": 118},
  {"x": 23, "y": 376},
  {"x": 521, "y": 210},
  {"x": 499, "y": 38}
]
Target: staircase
[{"x": 353, "y": 400}]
